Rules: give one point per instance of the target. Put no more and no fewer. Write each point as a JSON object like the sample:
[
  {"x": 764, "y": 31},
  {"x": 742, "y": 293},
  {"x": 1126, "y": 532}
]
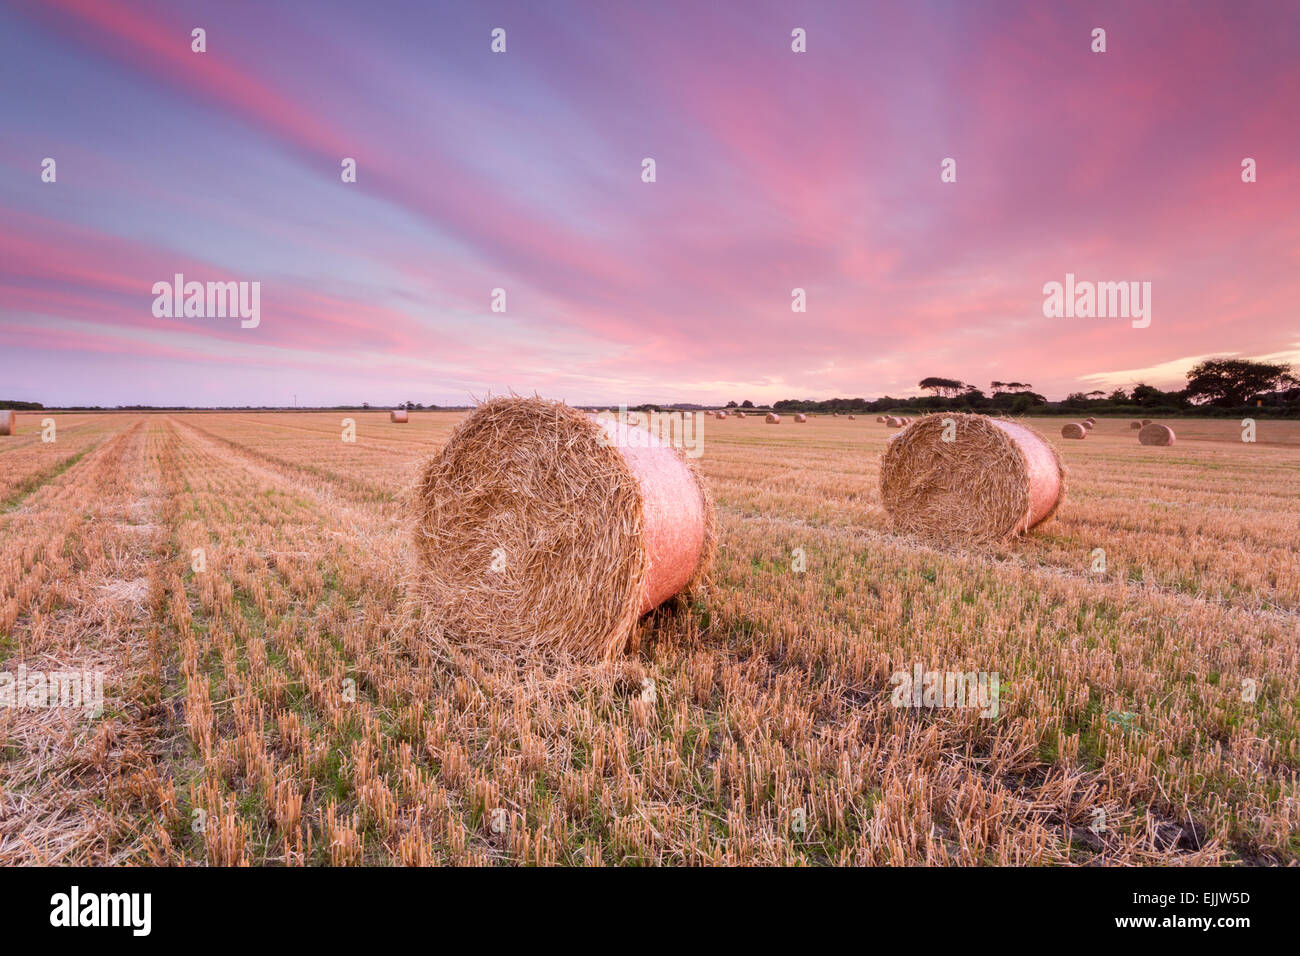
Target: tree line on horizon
[{"x": 1222, "y": 386}]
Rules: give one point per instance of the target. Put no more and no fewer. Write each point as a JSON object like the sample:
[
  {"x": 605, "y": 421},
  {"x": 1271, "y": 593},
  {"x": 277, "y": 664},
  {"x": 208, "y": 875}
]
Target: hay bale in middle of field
[
  {"x": 994, "y": 480},
  {"x": 1087, "y": 425},
  {"x": 541, "y": 527},
  {"x": 1135, "y": 424},
  {"x": 1154, "y": 434},
  {"x": 398, "y": 416},
  {"x": 6, "y": 422},
  {"x": 773, "y": 418},
  {"x": 1074, "y": 430},
  {"x": 801, "y": 418}
]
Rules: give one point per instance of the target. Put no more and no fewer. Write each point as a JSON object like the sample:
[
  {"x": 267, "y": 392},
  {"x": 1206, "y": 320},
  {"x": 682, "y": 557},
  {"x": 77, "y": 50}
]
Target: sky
[{"x": 522, "y": 170}]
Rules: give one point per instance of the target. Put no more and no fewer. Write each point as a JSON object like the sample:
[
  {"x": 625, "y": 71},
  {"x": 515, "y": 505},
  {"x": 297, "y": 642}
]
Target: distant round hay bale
[
  {"x": 893, "y": 422},
  {"x": 740, "y": 414},
  {"x": 720, "y": 414},
  {"x": 541, "y": 527},
  {"x": 995, "y": 479},
  {"x": 1074, "y": 430},
  {"x": 398, "y": 415},
  {"x": 773, "y": 418},
  {"x": 1145, "y": 422},
  {"x": 1091, "y": 421},
  {"x": 1087, "y": 425},
  {"x": 1135, "y": 424},
  {"x": 800, "y": 417},
  {"x": 853, "y": 418},
  {"x": 1154, "y": 434},
  {"x": 6, "y": 421}
]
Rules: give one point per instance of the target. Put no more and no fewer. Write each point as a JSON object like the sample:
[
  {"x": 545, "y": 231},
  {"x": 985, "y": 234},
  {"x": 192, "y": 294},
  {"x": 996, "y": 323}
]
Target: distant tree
[
  {"x": 365, "y": 404},
  {"x": 731, "y": 404},
  {"x": 942, "y": 387},
  {"x": 1144, "y": 394},
  {"x": 1119, "y": 396},
  {"x": 1096, "y": 393},
  {"x": 746, "y": 404},
  {"x": 1231, "y": 382}
]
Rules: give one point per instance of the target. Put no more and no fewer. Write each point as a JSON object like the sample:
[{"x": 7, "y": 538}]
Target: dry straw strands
[
  {"x": 773, "y": 418},
  {"x": 6, "y": 422},
  {"x": 994, "y": 480},
  {"x": 542, "y": 527},
  {"x": 801, "y": 418},
  {"x": 398, "y": 415},
  {"x": 1154, "y": 434},
  {"x": 1074, "y": 430}
]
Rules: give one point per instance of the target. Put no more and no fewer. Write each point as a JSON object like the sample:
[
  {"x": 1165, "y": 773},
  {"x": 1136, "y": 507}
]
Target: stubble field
[{"x": 284, "y": 705}]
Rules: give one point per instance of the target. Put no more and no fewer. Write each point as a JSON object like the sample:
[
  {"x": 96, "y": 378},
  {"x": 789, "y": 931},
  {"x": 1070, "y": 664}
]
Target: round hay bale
[
  {"x": 773, "y": 418},
  {"x": 801, "y": 418},
  {"x": 893, "y": 422},
  {"x": 1074, "y": 430},
  {"x": 721, "y": 414},
  {"x": 1087, "y": 425},
  {"x": 538, "y": 526},
  {"x": 1135, "y": 425},
  {"x": 1154, "y": 434},
  {"x": 995, "y": 480},
  {"x": 881, "y": 419},
  {"x": 740, "y": 414},
  {"x": 6, "y": 421},
  {"x": 853, "y": 418},
  {"x": 398, "y": 415},
  {"x": 1145, "y": 422},
  {"x": 1091, "y": 421}
]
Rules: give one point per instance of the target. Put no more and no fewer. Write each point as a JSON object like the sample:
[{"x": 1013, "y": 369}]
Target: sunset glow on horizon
[{"x": 522, "y": 171}]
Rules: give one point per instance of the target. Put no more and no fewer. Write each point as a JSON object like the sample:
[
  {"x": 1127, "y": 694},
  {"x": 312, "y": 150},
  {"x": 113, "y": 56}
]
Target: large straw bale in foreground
[
  {"x": 6, "y": 421},
  {"x": 1155, "y": 434},
  {"x": 541, "y": 526},
  {"x": 995, "y": 480}
]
